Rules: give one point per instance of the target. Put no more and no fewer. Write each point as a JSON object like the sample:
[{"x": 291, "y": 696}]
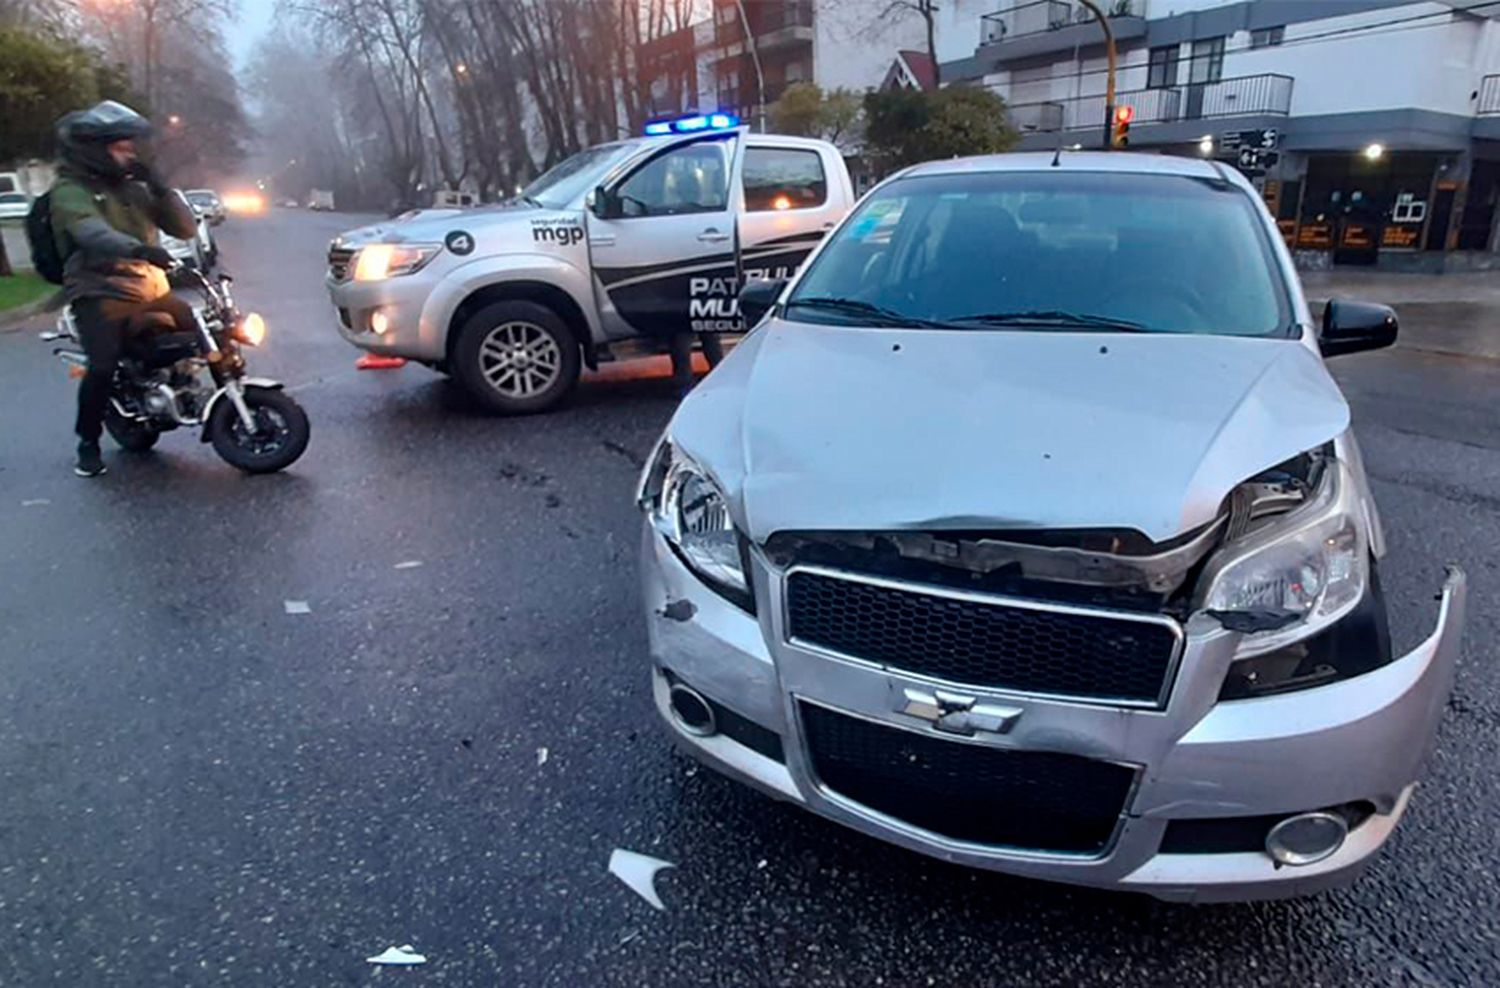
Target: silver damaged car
[{"x": 1027, "y": 530}]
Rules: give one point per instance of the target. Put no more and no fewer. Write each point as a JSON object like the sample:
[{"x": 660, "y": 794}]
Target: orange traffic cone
[{"x": 373, "y": 361}]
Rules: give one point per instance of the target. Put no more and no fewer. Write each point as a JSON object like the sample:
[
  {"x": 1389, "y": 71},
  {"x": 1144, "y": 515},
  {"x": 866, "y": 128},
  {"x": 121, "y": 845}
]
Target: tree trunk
[
  {"x": 929, "y": 13},
  {"x": 5, "y": 269}
]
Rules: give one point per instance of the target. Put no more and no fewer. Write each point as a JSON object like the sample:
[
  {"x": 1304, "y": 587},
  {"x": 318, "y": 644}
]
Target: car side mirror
[
  {"x": 757, "y": 298},
  {"x": 606, "y": 205},
  {"x": 1352, "y": 327}
]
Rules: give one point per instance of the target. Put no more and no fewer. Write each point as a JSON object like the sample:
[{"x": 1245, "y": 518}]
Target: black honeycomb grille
[
  {"x": 982, "y": 643},
  {"x": 1037, "y": 800}
]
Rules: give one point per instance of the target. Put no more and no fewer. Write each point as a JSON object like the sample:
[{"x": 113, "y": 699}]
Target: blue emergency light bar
[{"x": 693, "y": 124}]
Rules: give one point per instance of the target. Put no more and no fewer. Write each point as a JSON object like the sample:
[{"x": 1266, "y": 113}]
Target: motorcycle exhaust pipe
[{"x": 691, "y": 711}]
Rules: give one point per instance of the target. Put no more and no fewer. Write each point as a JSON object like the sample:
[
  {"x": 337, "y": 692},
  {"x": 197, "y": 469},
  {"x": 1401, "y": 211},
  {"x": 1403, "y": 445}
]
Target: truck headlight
[
  {"x": 686, "y": 506},
  {"x": 377, "y": 262},
  {"x": 1296, "y": 577}
]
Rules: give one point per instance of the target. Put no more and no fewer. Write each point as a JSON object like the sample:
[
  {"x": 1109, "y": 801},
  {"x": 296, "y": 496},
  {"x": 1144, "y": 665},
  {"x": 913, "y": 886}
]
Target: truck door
[
  {"x": 787, "y": 208},
  {"x": 663, "y": 253}
]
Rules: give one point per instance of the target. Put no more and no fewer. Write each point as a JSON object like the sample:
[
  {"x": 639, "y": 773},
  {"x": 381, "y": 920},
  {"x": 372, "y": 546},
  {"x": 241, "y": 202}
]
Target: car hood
[
  {"x": 818, "y": 428},
  {"x": 432, "y": 225}
]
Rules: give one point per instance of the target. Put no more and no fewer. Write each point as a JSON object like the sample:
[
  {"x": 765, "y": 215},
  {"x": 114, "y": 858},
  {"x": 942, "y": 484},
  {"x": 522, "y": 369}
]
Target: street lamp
[{"x": 174, "y": 120}]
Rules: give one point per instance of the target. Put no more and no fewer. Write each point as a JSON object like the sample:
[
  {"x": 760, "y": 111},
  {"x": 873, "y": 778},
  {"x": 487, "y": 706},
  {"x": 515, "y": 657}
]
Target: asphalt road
[{"x": 200, "y": 788}]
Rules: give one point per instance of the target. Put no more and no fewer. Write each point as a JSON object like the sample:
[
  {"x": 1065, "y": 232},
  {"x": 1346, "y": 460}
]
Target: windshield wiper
[
  {"x": 868, "y": 312},
  {"x": 1053, "y": 317}
]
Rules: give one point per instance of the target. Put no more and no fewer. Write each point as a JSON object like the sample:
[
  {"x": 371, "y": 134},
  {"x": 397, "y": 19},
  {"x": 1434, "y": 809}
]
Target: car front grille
[
  {"x": 1034, "y": 800},
  {"x": 338, "y": 262},
  {"x": 986, "y": 642}
]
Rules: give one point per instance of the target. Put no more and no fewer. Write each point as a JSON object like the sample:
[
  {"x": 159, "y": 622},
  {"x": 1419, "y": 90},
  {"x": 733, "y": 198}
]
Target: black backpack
[{"x": 44, "y": 255}]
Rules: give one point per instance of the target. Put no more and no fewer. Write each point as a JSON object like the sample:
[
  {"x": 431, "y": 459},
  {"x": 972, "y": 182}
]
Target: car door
[
  {"x": 662, "y": 243},
  {"x": 787, "y": 207}
]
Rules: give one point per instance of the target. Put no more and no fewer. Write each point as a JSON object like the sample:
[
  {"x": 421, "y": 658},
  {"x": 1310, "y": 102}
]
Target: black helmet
[{"x": 83, "y": 135}]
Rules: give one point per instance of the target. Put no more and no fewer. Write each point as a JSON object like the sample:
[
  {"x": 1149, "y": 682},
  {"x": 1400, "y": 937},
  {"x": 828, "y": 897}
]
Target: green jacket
[{"x": 99, "y": 225}]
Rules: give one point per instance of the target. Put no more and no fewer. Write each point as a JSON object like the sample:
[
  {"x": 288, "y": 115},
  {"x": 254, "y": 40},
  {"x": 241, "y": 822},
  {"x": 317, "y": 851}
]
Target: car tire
[{"x": 516, "y": 358}]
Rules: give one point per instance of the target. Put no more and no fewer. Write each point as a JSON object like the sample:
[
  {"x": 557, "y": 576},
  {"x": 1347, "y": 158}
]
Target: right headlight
[
  {"x": 686, "y": 506},
  {"x": 1297, "y": 576}
]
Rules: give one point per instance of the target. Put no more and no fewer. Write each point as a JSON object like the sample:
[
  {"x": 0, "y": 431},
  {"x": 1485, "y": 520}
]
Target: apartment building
[{"x": 1371, "y": 126}]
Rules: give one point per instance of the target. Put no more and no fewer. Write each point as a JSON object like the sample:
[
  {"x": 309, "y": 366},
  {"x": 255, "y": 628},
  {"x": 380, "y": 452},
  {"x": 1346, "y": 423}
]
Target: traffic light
[{"x": 1124, "y": 113}]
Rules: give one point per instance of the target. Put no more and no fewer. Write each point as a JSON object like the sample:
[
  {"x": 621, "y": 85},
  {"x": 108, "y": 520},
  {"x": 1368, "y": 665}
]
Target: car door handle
[
  {"x": 602, "y": 240},
  {"x": 713, "y": 236}
]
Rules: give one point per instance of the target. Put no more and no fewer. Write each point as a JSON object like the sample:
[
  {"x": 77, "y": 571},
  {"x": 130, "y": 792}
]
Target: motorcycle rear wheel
[
  {"x": 280, "y": 437},
  {"x": 136, "y": 437}
]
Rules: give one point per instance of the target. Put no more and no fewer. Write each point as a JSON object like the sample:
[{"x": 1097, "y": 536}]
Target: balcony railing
[
  {"x": 1036, "y": 16},
  {"x": 1268, "y": 94},
  {"x": 1489, "y": 96}
]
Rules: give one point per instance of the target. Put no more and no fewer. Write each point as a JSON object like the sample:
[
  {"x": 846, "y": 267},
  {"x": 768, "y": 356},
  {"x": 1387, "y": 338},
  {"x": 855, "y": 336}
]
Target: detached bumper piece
[{"x": 1031, "y": 800}]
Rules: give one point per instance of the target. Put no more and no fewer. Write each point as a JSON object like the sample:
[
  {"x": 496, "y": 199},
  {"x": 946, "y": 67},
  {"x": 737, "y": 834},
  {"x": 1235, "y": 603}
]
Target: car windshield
[
  {"x": 1051, "y": 250},
  {"x": 571, "y": 177}
]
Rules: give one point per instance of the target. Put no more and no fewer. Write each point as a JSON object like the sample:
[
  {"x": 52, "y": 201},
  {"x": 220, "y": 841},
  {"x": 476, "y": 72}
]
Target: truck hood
[
  {"x": 433, "y": 225},
  {"x": 825, "y": 428}
]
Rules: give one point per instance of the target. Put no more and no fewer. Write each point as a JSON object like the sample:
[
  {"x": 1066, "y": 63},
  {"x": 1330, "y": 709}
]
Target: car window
[
  {"x": 573, "y": 176},
  {"x": 783, "y": 178},
  {"x": 1156, "y": 253},
  {"x": 12, "y": 197},
  {"x": 689, "y": 179}
]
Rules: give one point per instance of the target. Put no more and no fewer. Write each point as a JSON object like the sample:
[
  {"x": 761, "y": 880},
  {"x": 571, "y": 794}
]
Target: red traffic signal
[{"x": 1124, "y": 113}]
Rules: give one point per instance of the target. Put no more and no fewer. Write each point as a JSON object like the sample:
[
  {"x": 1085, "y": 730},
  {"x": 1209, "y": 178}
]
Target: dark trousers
[
  {"x": 682, "y": 356},
  {"x": 102, "y": 327}
]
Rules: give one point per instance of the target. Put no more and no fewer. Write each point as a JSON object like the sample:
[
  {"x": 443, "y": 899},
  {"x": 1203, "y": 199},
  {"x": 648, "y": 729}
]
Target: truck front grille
[
  {"x": 1035, "y": 800},
  {"x": 985, "y": 641}
]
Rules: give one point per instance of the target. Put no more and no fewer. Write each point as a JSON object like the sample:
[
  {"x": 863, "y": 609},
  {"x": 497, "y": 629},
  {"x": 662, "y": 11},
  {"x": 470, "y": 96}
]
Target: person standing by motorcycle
[{"x": 108, "y": 207}]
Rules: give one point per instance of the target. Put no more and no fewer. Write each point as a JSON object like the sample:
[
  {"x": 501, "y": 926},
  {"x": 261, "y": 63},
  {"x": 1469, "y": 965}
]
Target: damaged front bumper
[{"x": 1356, "y": 742}]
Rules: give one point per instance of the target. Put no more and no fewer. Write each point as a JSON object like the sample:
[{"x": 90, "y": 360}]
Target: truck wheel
[{"x": 516, "y": 357}]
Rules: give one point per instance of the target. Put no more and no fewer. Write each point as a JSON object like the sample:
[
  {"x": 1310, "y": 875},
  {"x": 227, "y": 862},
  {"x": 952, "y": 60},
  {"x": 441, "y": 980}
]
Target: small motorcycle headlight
[{"x": 252, "y": 330}]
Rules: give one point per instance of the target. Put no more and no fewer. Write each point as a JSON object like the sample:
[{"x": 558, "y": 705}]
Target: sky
[{"x": 254, "y": 21}]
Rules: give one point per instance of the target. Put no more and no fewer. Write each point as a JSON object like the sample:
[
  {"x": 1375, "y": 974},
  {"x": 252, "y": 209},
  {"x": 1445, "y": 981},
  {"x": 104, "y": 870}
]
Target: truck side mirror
[
  {"x": 1351, "y": 327},
  {"x": 757, "y": 297},
  {"x": 606, "y": 205}
]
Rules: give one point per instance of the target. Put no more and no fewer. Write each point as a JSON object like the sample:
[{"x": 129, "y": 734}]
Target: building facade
[{"x": 1372, "y": 127}]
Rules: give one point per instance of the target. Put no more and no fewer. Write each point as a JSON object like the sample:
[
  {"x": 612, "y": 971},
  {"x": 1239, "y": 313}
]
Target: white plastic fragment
[
  {"x": 35, "y": 502},
  {"x": 638, "y": 871},
  {"x": 409, "y": 564},
  {"x": 541, "y": 756},
  {"x": 403, "y": 956},
  {"x": 296, "y": 607}
]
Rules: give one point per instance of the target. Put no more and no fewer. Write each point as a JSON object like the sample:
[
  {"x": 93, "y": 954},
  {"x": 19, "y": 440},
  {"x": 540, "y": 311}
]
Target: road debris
[
  {"x": 541, "y": 756},
  {"x": 409, "y": 564},
  {"x": 403, "y": 956},
  {"x": 296, "y": 607},
  {"x": 639, "y": 872}
]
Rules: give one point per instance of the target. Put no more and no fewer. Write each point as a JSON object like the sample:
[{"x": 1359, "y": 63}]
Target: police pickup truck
[{"x": 607, "y": 254}]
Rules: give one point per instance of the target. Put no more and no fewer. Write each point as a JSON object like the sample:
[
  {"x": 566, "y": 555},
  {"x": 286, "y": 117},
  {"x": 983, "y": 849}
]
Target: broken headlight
[
  {"x": 1296, "y": 576},
  {"x": 688, "y": 509}
]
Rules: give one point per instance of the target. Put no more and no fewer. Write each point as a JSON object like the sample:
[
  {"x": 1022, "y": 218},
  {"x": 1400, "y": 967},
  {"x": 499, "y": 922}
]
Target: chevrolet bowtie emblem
[{"x": 958, "y": 714}]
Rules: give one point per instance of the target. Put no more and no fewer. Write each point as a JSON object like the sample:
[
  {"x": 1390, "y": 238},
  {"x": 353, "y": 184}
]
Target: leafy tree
[
  {"x": 805, "y": 110},
  {"x": 904, "y": 127},
  {"x": 41, "y": 78}
]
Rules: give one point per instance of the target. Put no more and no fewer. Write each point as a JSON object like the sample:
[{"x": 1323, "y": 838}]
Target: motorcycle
[{"x": 168, "y": 379}]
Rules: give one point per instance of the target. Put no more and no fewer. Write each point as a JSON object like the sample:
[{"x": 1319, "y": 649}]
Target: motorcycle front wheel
[{"x": 280, "y": 435}]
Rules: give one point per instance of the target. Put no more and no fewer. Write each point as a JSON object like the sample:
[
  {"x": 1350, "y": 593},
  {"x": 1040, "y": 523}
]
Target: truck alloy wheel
[{"x": 517, "y": 357}]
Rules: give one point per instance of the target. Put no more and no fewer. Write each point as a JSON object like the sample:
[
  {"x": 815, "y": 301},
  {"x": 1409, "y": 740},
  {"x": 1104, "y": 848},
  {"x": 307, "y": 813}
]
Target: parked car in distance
[
  {"x": 14, "y": 205},
  {"x": 208, "y": 202},
  {"x": 1027, "y": 529},
  {"x": 454, "y": 199},
  {"x": 320, "y": 200},
  {"x": 199, "y": 251}
]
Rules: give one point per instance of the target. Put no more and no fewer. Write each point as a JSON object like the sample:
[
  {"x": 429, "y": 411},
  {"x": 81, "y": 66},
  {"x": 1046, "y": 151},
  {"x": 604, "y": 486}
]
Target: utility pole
[
  {"x": 1109, "y": 75},
  {"x": 760, "y": 79}
]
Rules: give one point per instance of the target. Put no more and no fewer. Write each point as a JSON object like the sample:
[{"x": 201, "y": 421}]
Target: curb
[{"x": 14, "y": 319}]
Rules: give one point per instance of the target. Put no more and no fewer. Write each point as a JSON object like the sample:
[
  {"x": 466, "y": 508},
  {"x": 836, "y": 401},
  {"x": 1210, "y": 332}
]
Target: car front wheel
[{"x": 516, "y": 357}]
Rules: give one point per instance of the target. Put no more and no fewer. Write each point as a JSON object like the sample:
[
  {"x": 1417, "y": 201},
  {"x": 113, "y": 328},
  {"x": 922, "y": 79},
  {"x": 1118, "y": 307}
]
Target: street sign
[{"x": 1254, "y": 160}]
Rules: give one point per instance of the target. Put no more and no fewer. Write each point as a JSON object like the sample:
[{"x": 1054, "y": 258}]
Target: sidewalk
[{"x": 1447, "y": 313}]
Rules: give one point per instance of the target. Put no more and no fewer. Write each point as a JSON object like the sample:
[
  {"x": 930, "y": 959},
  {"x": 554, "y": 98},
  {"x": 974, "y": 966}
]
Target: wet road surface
[{"x": 200, "y": 788}]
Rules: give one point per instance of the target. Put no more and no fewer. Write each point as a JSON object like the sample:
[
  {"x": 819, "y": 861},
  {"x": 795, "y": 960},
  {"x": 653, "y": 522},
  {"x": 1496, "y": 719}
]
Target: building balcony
[
  {"x": 1040, "y": 27},
  {"x": 1252, "y": 95},
  {"x": 1489, "y": 96},
  {"x": 775, "y": 25}
]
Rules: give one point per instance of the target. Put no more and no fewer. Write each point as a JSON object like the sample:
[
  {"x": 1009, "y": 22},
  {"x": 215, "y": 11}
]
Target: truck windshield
[
  {"x": 1048, "y": 251},
  {"x": 573, "y": 176}
]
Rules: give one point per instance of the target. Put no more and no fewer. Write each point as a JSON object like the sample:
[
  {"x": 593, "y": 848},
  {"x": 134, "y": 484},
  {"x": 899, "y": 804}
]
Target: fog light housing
[{"x": 1306, "y": 838}]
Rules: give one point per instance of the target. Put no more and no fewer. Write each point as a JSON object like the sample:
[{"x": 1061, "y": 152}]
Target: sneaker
[{"x": 90, "y": 463}]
